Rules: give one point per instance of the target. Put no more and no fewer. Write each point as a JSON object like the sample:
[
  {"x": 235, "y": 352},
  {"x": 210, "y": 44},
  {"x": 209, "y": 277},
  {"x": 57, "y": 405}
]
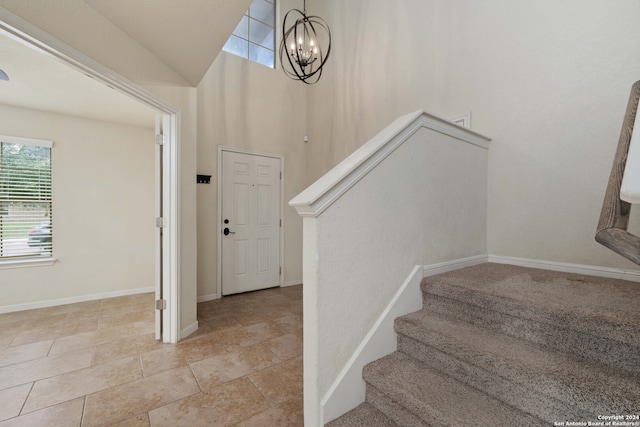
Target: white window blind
[{"x": 25, "y": 198}]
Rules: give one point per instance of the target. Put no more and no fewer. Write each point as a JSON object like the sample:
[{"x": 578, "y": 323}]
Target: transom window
[
  {"x": 25, "y": 198},
  {"x": 254, "y": 37}
]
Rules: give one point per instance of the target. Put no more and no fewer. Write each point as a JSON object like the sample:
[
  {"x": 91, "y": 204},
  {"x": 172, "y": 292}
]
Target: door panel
[{"x": 251, "y": 203}]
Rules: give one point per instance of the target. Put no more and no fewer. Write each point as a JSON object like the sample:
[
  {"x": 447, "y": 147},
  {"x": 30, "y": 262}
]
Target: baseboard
[
  {"x": 188, "y": 330},
  {"x": 205, "y": 298},
  {"x": 443, "y": 267},
  {"x": 72, "y": 300},
  {"x": 590, "y": 270},
  {"x": 292, "y": 283},
  {"x": 348, "y": 390}
]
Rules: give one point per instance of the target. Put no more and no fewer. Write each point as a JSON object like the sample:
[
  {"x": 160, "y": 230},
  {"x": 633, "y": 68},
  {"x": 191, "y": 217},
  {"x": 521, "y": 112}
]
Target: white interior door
[{"x": 251, "y": 222}]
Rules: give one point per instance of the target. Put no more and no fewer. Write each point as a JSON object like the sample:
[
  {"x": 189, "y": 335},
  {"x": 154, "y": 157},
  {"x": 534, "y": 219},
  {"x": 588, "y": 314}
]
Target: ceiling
[
  {"x": 187, "y": 35},
  {"x": 41, "y": 82}
]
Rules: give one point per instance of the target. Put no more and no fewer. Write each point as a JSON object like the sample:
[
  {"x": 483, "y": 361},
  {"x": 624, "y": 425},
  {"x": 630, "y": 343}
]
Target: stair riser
[
  {"x": 395, "y": 412},
  {"x": 517, "y": 395},
  {"x": 610, "y": 352}
]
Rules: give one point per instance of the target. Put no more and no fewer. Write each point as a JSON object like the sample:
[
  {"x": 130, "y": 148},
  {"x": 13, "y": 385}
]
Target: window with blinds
[{"x": 25, "y": 198}]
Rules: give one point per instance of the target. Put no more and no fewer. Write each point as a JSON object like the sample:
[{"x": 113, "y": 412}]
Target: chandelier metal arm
[{"x": 305, "y": 39}]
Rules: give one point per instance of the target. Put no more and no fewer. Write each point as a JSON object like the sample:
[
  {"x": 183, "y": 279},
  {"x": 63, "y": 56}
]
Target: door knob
[{"x": 226, "y": 231}]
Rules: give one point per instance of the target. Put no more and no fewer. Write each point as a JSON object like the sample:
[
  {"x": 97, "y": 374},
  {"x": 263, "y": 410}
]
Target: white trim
[
  {"x": 210, "y": 297},
  {"x": 222, "y": 148},
  {"x": 590, "y": 270},
  {"x": 189, "y": 330},
  {"x": 348, "y": 390},
  {"x": 32, "y": 36},
  {"x": 72, "y": 300},
  {"x": 292, "y": 283},
  {"x": 443, "y": 267},
  {"x": 26, "y": 262},
  {"x": 462, "y": 119},
  {"x": 322, "y": 193},
  {"x": 26, "y": 141}
]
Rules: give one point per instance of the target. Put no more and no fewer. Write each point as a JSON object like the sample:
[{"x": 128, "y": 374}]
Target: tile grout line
[{"x": 25, "y": 400}]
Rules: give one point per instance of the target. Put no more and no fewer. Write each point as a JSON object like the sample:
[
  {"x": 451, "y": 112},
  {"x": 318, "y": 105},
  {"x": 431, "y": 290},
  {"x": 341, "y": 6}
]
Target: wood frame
[{"x": 614, "y": 217}]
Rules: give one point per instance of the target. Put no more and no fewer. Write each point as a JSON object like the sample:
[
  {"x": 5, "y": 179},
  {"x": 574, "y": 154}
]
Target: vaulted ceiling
[
  {"x": 40, "y": 82},
  {"x": 187, "y": 35}
]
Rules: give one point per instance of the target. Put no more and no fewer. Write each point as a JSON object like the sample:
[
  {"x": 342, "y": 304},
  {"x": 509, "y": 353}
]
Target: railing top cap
[{"x": 319, "y": 195}]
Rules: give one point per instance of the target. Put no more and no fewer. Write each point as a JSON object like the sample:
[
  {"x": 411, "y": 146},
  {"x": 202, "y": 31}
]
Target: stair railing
[{"x": 614, "y": 217}]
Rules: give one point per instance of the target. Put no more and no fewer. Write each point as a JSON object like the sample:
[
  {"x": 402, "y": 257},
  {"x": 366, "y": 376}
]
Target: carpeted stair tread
[
  {"x": 600, "y": 306},
  {"x": 438, "y": 399},
  {"x": 364, "y": 415},
  {"x": 525, "y": 373},
  {"x": 596, "y": 335}
]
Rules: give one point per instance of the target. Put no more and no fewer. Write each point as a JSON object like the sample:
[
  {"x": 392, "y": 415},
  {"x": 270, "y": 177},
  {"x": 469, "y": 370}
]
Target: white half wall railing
[{"x": 414, "y": 195}]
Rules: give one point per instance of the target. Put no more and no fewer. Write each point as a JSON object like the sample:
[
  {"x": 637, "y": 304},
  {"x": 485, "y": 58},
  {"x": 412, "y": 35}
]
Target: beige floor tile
[
  {"x": 108, "y": 320},
  {"x": 215, "y": 324},
  {"x": 75, "y": 384},
  {"x": 97, "y": 337},
  {"x": 33, "y": 370},
  {"x": 66, "y": 414},
  {"x": 12, "y": 399},
  {"x": 79, "y": 307},
  {"x": 280, "y": 382},
  {"x": 171, "y": 356},
  {"x": 286, "y": 346},
  {"x": 58, "y": 328},
  {"x": 258, "y": 316},
  {"x": 23, "y": 353},
  {"x": 124, "y": 347},
  {"x": 6, "y": 336},
  {"x": 110, "y": 304},
  {"x": 287, "y": 414},
  {"x": 119, "y": 403},
  {"x": 223, "y": 406},
  {"x": 234, "y": 338},
  {"x": 141, "y": 420},
  {"x": 216, "y": 370}
]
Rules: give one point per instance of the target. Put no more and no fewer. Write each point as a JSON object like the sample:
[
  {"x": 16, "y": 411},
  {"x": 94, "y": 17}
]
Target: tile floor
[{"x": 97, "y": 364}]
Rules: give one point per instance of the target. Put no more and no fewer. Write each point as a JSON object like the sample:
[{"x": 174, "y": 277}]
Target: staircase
[{"x": 499, "y": 345}]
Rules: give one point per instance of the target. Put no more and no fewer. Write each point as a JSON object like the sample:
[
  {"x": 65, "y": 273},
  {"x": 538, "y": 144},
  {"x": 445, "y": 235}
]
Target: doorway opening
[{"x": 167, "y": 283}]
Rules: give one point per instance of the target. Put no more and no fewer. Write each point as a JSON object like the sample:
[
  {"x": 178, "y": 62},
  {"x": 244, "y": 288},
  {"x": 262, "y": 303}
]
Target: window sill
[{"x": 27, "y": 262}]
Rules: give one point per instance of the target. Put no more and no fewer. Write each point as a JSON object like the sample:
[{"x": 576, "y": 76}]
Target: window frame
[
  {"x": 249, "y": 42},
  {"x": 30, "y": 260}
]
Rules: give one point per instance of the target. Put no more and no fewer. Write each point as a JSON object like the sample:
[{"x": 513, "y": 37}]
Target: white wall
[
  {"x": 547, "y": 80},
  {"x": 103, "y": 208},
  {"x": 78, "y": 25},
  {"x": 424, "y": 204},
  {"x": 382, "y": 65},
  {"x": 246, "y": 105}
]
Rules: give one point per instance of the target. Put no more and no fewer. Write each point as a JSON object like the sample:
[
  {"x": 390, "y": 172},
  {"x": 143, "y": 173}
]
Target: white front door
[{"x": 251, "y": 222}]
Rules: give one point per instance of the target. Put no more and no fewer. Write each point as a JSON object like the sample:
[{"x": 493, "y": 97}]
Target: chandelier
[{"x": 301, "y": 49}]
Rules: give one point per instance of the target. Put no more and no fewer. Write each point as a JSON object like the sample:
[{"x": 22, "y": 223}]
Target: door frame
[
  {"x": 221, "y": 149},
  {"x": 32, "y": 36}
]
